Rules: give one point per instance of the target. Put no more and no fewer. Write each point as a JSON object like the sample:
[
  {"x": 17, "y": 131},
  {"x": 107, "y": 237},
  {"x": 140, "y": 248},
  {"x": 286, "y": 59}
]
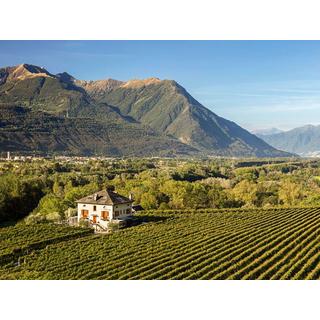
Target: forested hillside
[{"x": 31, "y": 131}]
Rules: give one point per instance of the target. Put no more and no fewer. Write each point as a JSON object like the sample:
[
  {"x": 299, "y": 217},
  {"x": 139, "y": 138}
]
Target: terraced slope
[{"x": 216, "y": 244}]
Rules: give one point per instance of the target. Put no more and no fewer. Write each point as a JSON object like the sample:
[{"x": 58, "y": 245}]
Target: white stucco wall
[
  {"x": 122, "y": 209},
  {"x": 119, "y": 208}
]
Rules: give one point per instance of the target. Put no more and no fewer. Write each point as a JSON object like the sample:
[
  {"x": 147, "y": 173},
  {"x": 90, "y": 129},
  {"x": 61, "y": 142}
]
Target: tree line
[{"x": 46, "y": 190}]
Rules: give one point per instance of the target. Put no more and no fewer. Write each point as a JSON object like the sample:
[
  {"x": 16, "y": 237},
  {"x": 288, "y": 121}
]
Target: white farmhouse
[{"x": 104, "y": 206}]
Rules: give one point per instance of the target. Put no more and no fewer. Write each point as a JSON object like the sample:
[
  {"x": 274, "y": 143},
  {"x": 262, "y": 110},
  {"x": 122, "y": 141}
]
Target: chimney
[
  {"x": 130, "y": 196},
  {"x": 95, "y": 197},
  {"x": 111, "y": 188}
]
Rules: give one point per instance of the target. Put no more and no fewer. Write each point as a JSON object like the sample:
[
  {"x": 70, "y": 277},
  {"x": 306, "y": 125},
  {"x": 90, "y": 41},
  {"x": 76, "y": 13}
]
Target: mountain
[
  {"x": 42, "y": 111},
  {"x": 34, "y": 107},
  {"x": 266, "y": 132},
  {"x": 22, "y": 129},
  {"x": 168, "y": 108},
  {"x": 303, "y": 140}
]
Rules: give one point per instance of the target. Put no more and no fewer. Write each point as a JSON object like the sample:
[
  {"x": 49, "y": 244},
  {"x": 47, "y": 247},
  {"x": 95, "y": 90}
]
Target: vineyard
[
  {"x": 19, "y": 240},
  {"x": 203, "y": 244}
]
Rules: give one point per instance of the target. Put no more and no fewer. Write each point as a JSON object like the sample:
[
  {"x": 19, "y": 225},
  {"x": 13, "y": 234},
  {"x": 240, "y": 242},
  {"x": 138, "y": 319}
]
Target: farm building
[{"x": 104, "y": 206}]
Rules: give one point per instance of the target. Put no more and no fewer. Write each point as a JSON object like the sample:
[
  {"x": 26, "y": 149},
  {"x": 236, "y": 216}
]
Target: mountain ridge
[
  {"x": 185, "y": 118},
  {"x": 162, "y": 106},
  {"x": 302, "y": 140}
]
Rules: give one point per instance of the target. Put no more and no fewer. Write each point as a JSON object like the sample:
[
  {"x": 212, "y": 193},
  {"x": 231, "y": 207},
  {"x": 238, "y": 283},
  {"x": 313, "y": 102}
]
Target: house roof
[
  {"x": 137, "y": 207},
  {"x": 105, "y": 197}
]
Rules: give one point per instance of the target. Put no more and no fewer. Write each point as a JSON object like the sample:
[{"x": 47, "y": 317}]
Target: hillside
[
  {"x": 303, "y": 140},
  {"x": 30, "y": 131},
  {"x": 168, "y": 108},
  {"x": 123, "y": 112}
]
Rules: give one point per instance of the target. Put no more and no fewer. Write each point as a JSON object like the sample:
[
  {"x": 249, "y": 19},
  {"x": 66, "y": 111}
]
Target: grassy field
[{"x": 215, "y": 244}]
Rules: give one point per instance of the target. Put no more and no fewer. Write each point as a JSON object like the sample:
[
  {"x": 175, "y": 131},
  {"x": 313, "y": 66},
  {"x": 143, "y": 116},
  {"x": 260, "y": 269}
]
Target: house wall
[{"x": 119, "y": 209}]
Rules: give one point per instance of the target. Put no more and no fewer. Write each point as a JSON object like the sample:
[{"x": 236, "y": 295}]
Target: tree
[
  {"x": 176, "y": 191},
  {"x": 79, "y": 192},
  {"x": 246, "y": 192},
  {"x": 149, "y": 201},
  {"x": 18, "y": 196},
  {"x": 220, "y": 198},
  {"x": 290, "y": 193},
  {"x": 57, "y": 189},
  {"x": 50, "y": 207},
  {"x": 196, "y": 196}
]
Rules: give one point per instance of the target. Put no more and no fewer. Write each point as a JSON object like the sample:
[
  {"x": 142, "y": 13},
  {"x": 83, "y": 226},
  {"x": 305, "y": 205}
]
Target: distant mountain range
[
  {"x": 304, "y": 140},
  {"x": 44, "y": 112},
  {"x": 266, "y": 132}
]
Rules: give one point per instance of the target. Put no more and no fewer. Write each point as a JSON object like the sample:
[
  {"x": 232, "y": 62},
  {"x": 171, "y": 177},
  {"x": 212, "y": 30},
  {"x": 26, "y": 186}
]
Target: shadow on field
[{"x": 142, "y": 219}]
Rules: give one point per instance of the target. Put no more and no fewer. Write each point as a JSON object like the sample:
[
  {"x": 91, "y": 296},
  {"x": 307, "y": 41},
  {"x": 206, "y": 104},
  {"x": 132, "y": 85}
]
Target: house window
[
  {"x": 116, "y": 213},
  {"x": 94, "y": 208},
  {"x": 105, "y": 215},
  {"x": 84, "y": 214}
]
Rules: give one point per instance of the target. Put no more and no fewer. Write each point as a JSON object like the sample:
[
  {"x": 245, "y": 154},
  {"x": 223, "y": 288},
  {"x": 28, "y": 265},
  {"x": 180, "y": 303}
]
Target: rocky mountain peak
[
  {"x": 136, "y": 83},
  {"x": 24, "y": 71}
]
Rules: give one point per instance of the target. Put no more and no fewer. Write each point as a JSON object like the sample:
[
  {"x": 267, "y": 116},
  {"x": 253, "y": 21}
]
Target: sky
[{"x": 257, "y": 84}]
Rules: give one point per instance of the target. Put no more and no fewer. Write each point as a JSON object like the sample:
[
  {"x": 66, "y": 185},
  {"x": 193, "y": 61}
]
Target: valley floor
[{"x": 204, "y": 244}]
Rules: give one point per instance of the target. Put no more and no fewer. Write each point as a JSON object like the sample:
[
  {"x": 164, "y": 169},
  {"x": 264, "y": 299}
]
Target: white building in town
[{"x": 104, "y": 206}]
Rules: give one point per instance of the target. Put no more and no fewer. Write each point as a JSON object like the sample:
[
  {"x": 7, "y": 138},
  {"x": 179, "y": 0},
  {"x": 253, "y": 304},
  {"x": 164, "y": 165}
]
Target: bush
[
  {"x": 113, "y": 226},
  {"x": 83, "y": 223}
]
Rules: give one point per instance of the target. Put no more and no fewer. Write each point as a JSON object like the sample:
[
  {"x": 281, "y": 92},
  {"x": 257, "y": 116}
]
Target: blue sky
[{"x": 258, "y": 84}]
